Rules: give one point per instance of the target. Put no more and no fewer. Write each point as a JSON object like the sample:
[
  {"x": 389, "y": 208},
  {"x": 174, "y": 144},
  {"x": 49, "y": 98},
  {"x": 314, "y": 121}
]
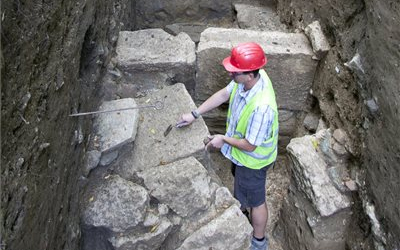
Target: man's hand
[
  {"x": 186, "y": 119},
  {"x": 216, "y": 142}
]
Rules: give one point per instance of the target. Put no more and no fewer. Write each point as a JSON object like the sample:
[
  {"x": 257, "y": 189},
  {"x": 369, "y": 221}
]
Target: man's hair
[{"x": 255, "y": 72}]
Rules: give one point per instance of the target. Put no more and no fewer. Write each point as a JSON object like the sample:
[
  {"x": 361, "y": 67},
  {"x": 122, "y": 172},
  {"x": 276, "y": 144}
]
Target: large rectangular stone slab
[
  {"x": 290, "y": 64},
  {"x": 115, "y": 129},
  {"x": 152, "y": 57},
  {"x": 151, "y": 147}
]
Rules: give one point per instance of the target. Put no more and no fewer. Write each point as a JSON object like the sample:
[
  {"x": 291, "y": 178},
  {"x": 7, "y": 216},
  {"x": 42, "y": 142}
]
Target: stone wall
[
  {"x": 157, "y": 14},
  {"x": 52, "y": 54},
  {"x": 357, "y": 89}
]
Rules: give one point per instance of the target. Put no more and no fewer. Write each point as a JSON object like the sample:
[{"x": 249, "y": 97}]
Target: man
[{"x": 251, "y": 138}]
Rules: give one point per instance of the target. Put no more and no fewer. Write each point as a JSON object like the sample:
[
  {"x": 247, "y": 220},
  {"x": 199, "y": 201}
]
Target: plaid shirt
[{"x": 259, "y": 127}]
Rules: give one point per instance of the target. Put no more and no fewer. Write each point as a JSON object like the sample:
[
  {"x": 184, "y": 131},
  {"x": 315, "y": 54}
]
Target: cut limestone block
[
  {"x": 230, "y": 229},
  {"x": 318, "y": 40},
  {"x": 311, "y": 176},
  {"x": 115, "y": 129},
  {"x": 290, "y": 65},
  {"x": 152, "y": 147},
  {"x": 151, "y": 58},
  {"x": 115, "y": 204},
  {"x": 258, "y": 18},
  {"x": 182, "y": 185}
]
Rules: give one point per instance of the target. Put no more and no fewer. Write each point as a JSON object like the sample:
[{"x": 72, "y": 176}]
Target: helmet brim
[{"x": 229, "y": 67}]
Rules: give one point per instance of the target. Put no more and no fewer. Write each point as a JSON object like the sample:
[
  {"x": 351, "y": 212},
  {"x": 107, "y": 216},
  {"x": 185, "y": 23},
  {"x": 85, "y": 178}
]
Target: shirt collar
[{"x": 247, "y": 95}]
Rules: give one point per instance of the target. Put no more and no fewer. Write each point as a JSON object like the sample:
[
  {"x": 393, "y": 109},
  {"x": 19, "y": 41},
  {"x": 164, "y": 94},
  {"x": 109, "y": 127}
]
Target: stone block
[
  {"x": 183, "y": 185},
  {"x": 311, "y": 122},
  {"x": 151, "y": 147},
  {"x": 115, "y": 204},
  {"x": 115, "y": 129},
  {"x": 92, "y": 159},
  {"x": 258, "y": 18},
  {"x": 231, "y": 229},
  {"x": 310, "y": 173},
  {"x": 318, "y": 40},
  {"x": 152, "y": 58},
  {"x": 290, "y": 65}
]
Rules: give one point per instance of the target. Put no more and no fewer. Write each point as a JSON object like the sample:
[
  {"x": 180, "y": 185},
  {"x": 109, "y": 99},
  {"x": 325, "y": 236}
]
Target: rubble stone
[{"x": 92, "y": 159}]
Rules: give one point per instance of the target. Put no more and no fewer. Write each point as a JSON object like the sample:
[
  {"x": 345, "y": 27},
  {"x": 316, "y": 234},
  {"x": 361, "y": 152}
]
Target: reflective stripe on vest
[{"x": 266, "y": 153}]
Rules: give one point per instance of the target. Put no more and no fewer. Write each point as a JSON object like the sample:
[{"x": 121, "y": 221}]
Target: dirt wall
[
  {"x": 53, "y": 53},
  {"x": 361, "y": 96}
]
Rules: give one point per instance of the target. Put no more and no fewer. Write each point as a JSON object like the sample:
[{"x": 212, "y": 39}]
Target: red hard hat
[{"x": 245, "y": 57}]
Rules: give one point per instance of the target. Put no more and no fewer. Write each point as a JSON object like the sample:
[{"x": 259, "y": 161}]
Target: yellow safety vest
[{"x": 266, "y": 153}]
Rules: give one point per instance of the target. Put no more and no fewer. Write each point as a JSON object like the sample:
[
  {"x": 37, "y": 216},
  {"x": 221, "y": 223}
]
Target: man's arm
[
  {"x": 214, "y": 101},
  {"x": 217, "y": 141}
]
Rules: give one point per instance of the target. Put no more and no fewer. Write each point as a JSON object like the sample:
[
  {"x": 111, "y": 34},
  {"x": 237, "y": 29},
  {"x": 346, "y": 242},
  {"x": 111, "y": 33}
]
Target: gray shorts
[{"x": 249, "y": 186}]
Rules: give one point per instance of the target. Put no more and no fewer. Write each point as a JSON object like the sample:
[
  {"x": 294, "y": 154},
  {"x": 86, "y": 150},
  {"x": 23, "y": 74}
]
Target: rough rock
[
  {"x": 318, "y": 40},
  {"x": 229, "y": 229},
  {"x": 92, "y": 159},
  {"x": 149, "y": 240},
  {"x": 152, "y": 58},
  {"x": 334, "y": 147},
  {"x": 192, "y": 29},
  {"x": 258, "y": 18},
  {"x": 115, "y": 204},
  {"x": 106, "y": 159},
  {"x": 340, "y": 136},
  {"x": 310, "y": 173},
  {"x": 356, "y": 65},
  {"x": 311, "y": 122},
  {"x": 182, "y": 185},
  {"x": 151, "y": 147},
  {"x": 115, "y": 129},
  {"x": 224, "y": 199}
]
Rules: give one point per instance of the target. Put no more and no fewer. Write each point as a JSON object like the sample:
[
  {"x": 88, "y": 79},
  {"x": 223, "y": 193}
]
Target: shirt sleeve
[
  {"x": 230, "y": 86},
  {"x": 259, "y": 127}
]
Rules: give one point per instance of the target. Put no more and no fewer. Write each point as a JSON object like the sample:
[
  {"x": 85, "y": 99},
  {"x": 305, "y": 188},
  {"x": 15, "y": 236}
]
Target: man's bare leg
[{"x": 259, "y": 218}]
